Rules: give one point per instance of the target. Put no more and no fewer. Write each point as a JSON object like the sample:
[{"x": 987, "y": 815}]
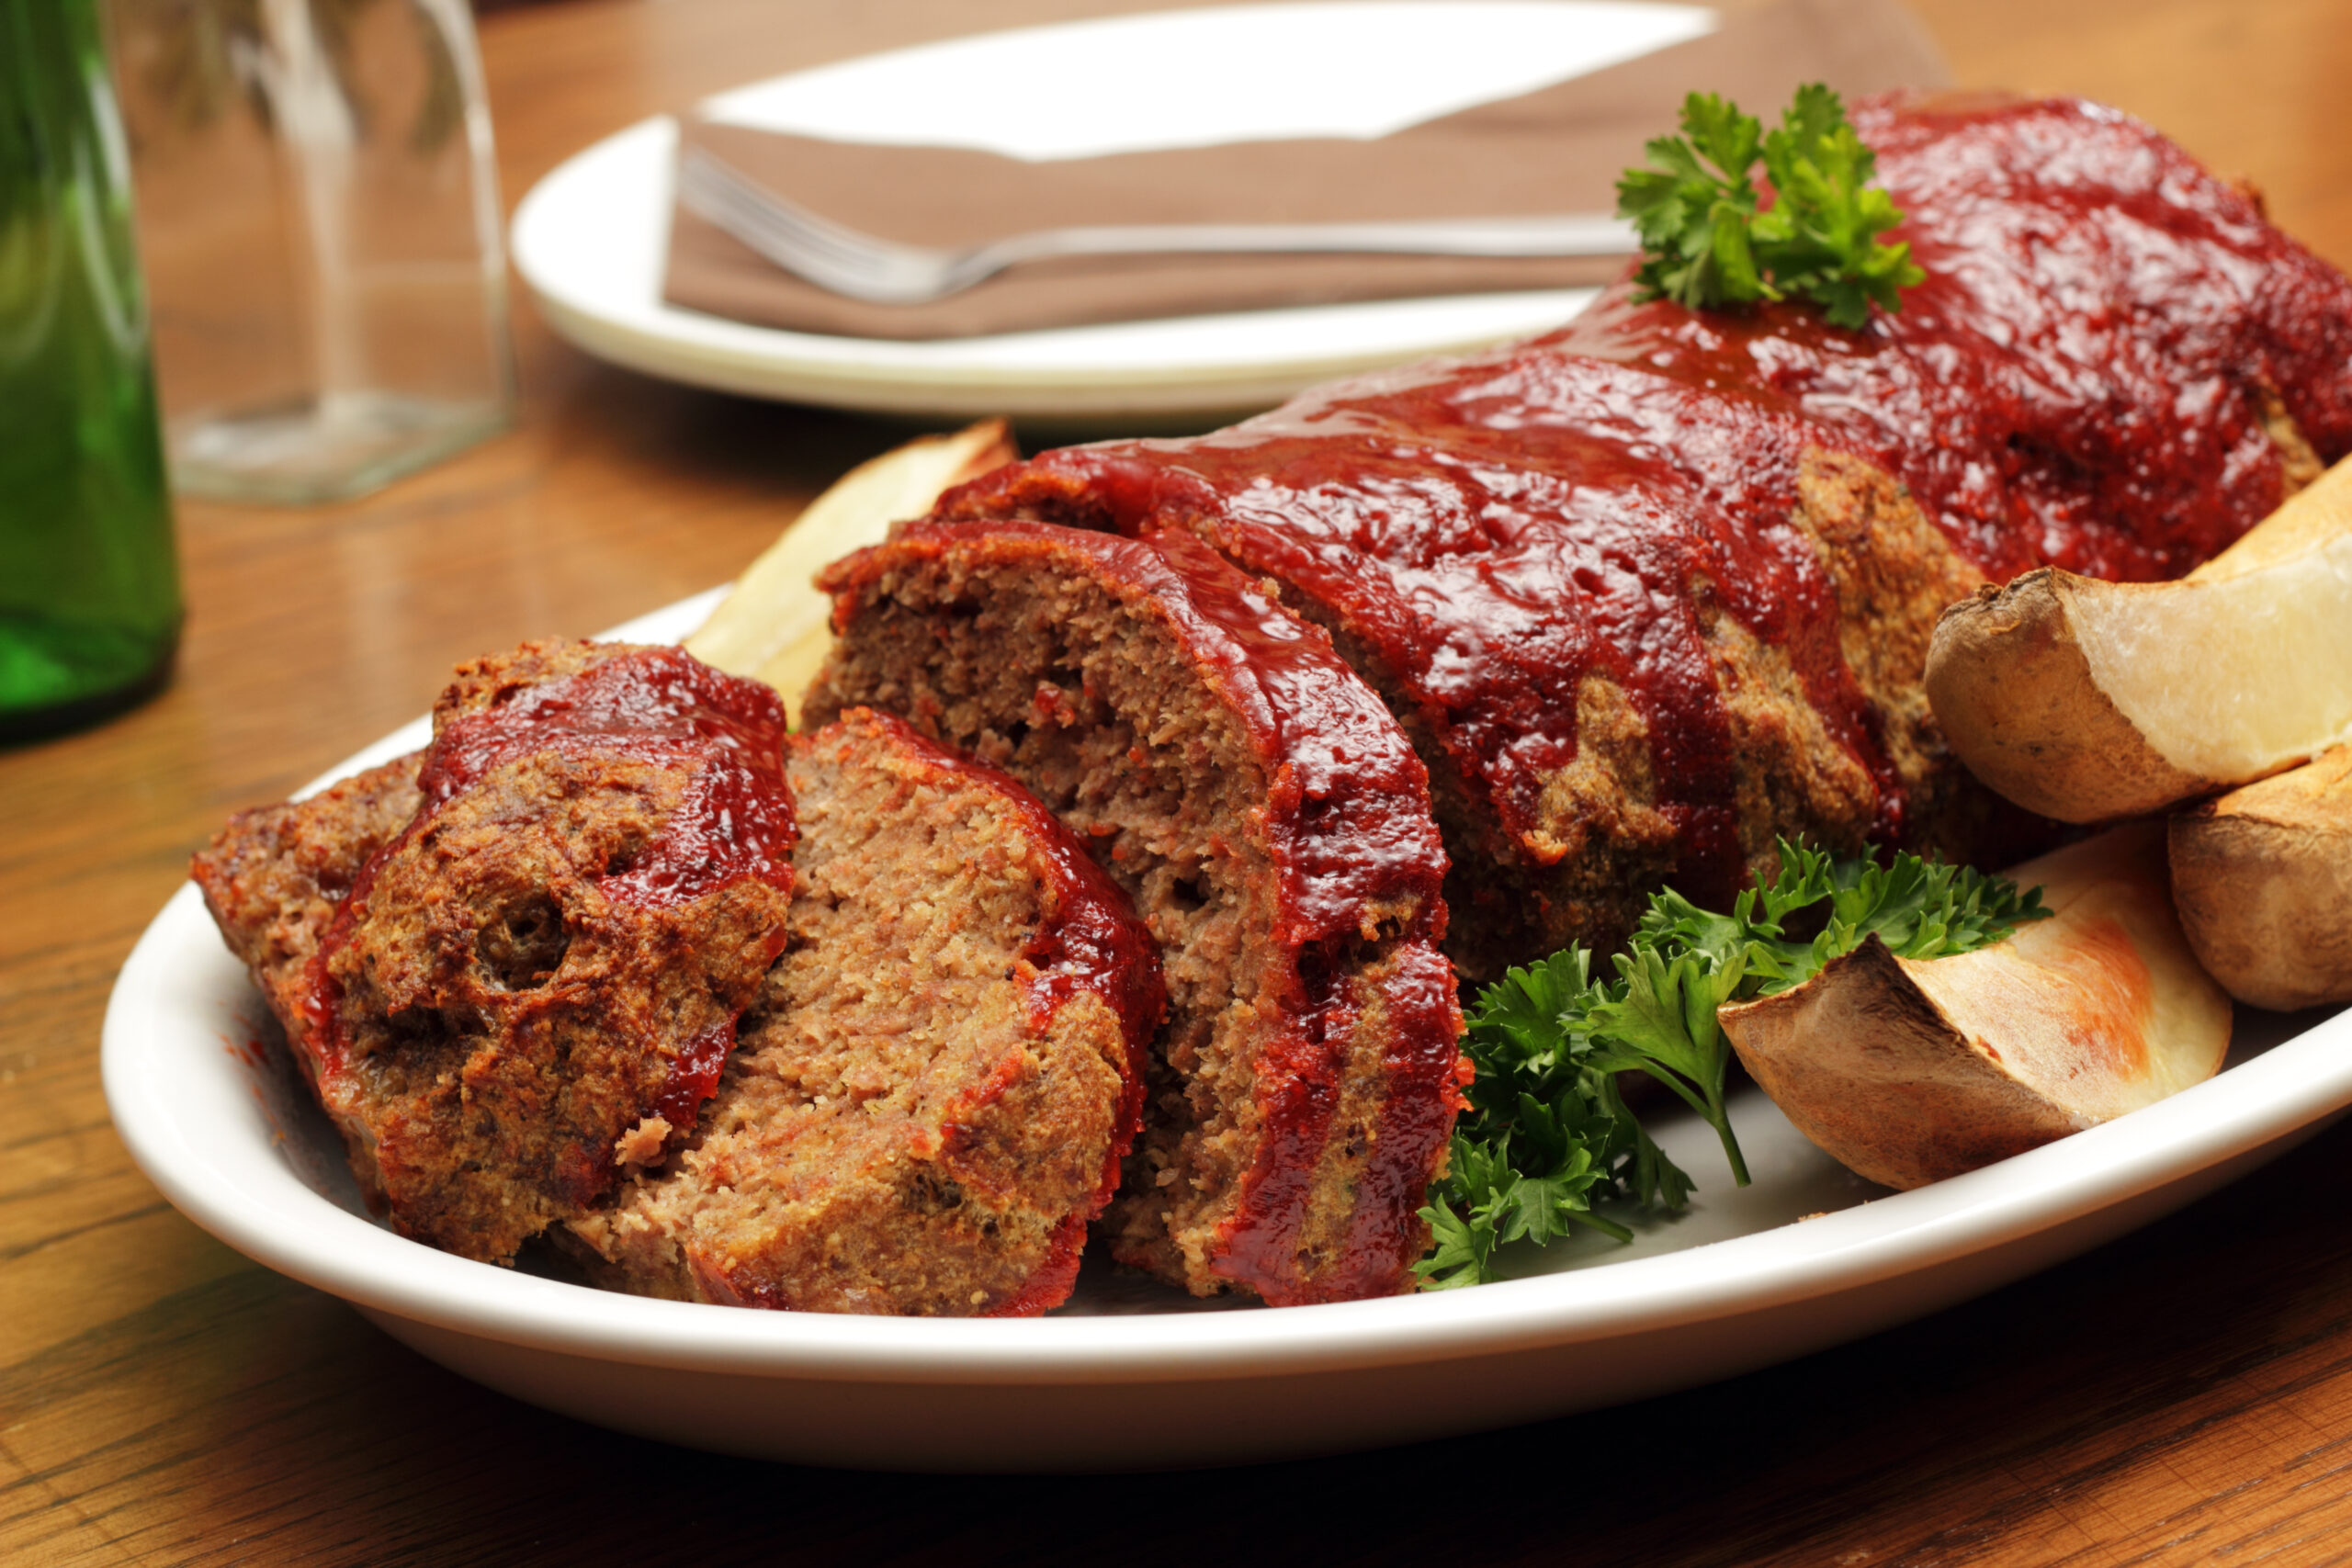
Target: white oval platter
[{"x": 1130, "y": 1374}]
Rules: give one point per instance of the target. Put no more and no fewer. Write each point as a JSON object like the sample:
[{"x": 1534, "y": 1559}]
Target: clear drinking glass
[
  {"x": 89, "y": 586},
  {"x": 319, "y": 215}
]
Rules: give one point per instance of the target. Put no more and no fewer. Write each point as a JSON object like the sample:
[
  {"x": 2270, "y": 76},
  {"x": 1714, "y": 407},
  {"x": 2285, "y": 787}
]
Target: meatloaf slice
[
  {"x": 930, "y": 1099},
  {"x": 1271, "y": 824},
  {"x": 533, "y": 983}
]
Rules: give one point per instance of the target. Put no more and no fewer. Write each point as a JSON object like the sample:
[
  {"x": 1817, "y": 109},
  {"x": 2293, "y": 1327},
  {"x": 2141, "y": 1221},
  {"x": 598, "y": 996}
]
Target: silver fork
[{"x": 886, "y": 272}]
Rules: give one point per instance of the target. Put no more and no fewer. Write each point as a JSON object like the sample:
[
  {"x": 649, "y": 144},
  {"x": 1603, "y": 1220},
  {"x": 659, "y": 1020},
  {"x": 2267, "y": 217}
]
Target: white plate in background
[
  {"x": 1133, "y": 1374},
  {"x": 591, "y": 239}
]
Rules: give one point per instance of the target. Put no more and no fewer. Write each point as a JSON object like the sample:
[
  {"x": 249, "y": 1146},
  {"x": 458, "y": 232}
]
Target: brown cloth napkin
[{"x": 1557, "y": 149}]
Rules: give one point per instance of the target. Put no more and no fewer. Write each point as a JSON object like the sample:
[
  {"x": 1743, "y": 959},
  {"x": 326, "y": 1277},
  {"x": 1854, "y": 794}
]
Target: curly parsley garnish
[
  {"x": 1548, "y": 1131},
  {"x": 1708, "y": 245}
]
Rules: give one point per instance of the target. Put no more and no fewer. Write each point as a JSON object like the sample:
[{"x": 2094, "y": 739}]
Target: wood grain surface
[{"x": 2182, "y": 1396}]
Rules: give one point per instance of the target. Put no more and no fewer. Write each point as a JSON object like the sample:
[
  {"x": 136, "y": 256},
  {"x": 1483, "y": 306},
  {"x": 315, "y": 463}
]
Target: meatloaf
[
  {"x": 1271, "y": 824},
  {"x": 938, "y": 1070},
  {"x": 531, "y": 983},
  {"x": 931, "y": 1094},
  {"x": 1653, "y": 590}
]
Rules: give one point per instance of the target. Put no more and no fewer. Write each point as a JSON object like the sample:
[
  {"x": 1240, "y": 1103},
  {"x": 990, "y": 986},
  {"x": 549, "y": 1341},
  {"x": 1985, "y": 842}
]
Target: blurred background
[{"x": 2250, "y": 89}]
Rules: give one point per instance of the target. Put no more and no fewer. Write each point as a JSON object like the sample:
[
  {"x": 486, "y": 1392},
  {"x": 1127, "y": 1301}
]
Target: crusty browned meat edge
[{"x": 273, "y": 876}]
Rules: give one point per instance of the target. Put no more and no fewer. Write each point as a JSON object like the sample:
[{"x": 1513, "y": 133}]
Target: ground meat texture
[
  {"x": 274, "y": 877},
  {"x": 931, "y": 1098},
  {"x": 1655, "y": 591},
  {"x": 534, "y": 985},
  {"x": 1272, "y": 825}
]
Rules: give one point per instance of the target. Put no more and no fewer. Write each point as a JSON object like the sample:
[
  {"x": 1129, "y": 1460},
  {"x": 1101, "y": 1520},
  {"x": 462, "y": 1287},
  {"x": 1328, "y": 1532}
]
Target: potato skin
[
  {"x": 2019, "y": 705},
  {"x": 1910, "y": 1070},
  {"x": 1872, "y": 1070},
  {"x": 2263, "y": 879}
]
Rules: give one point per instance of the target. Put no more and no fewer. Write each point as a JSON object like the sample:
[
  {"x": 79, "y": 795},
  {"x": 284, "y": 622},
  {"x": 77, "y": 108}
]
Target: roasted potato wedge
[
  {"x": 774, "y": 627},
  {"x": 2263, "y": 880},
  {"x": 2089, "y": 701},
  {"x": 1907, "y": 1071}
]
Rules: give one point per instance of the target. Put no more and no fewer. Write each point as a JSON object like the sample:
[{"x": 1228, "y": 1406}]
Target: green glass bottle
[{"x": 89, "y": 587}]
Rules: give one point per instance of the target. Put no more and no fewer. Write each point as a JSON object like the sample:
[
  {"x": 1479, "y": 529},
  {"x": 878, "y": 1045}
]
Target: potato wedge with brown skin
[
  {"x": 775, "y": 626},
  {"x": 2089, "y": 701},
  {"x": 1907, "y": 1071},
  {"x": 2263, "y": 879}
]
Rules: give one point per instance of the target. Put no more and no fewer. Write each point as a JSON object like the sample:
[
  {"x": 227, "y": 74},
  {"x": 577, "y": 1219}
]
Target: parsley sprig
[
  {"x": 1708, "y": 244},
  {"x": 1548, "y": 1132}
]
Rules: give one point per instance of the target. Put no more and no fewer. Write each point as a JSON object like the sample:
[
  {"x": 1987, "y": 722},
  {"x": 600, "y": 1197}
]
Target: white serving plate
[
  {"x": 1131, "y": 1374},
  {"x": 590, "y": 238}
]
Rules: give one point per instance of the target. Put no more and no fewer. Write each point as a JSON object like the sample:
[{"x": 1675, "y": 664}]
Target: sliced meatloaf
[
  {"x": 1271, "y": 824},
  {"x": 1655, "y": 590},
  {"x": 938, "y": 1071},
  {"x": 532, "y": 983},
  {"x": 930, "y": 1097}
]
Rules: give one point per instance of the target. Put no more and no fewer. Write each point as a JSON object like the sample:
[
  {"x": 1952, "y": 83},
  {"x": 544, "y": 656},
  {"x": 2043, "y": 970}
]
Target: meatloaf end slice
[
  {"x": 533, "y": 985},
  {"x": 274, "y": 877},
  {"x": 1273, "y": 825},
  {"x": 929, "y": 1100}
]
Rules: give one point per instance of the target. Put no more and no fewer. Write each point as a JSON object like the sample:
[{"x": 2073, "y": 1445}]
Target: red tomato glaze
[{"x": 2082, "y": 381}]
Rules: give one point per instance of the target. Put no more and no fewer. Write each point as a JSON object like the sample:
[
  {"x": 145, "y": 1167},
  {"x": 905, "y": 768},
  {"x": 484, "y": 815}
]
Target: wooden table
[{"x": 2183, "y": 1395}]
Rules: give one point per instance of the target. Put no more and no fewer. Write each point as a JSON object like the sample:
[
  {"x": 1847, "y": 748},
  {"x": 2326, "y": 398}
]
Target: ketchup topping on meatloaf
[
  {"x": 1655, "y": 591},
  {"x": 2115, "y": 366},
  {"x": 1271, "y": 824},
  {"x": 534, "y": 984}
]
